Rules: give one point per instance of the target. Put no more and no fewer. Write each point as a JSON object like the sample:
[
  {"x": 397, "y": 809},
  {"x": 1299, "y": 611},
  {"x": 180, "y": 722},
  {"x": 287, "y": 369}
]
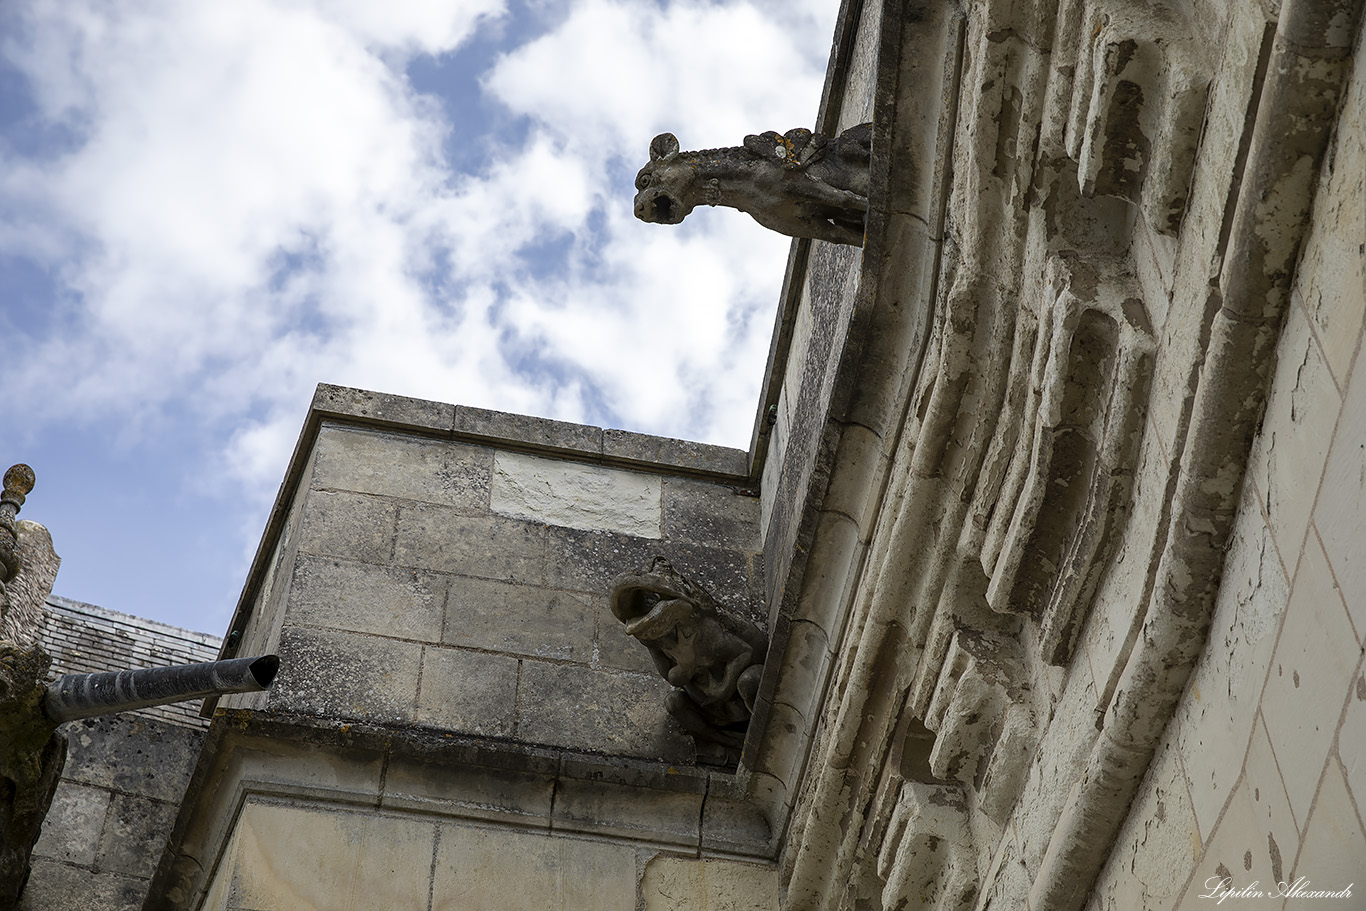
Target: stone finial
[
  {"x": 28, "y": 564},
  {"x": 712, "y": 657},
  {"x": 798, "y": 183},
  {"x": 19, "y": 481}
]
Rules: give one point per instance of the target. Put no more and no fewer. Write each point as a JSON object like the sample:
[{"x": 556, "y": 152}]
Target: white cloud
[{"x": 257, "y": 200}]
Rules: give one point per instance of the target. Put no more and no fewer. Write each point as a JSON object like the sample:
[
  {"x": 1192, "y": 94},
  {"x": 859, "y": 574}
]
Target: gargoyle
[
  {"x": 799, "y": 183},
  {"x": 712, "y": 657}
]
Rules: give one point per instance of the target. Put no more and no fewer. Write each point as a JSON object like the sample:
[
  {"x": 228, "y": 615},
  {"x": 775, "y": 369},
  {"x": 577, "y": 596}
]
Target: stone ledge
[{"x": 409, "y": 769}]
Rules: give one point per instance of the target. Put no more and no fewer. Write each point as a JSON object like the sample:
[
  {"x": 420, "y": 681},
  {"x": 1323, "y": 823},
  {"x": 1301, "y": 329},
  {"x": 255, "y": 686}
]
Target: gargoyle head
[{"x": 666, "y": 187}]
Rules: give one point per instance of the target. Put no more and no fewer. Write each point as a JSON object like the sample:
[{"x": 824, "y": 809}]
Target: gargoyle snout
[{"x": 656, "y": 206}]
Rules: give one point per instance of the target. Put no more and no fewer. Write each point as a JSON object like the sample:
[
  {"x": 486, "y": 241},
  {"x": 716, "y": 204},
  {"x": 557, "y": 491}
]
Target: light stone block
[
  {"x": 1313, "y": 667},
  {"x": 673, "y": 883},
  {"x": 1352, "y": 738},
  {"x": 487, "y": 547},
  {"x": 1339, "y": 516},
  {"x": 1333, "y": 849},
  {"x": 469, "y": 692},
  {"x": 575, "y": 495},
  {"x": 521, "y": 620},
  {"x": 1288, "y": 458},
  {"x": 402, "y": 467},
  {"x": 1156, "y": 845},
  {"x": 1214, "y": 721},
  {"x": 1280, "y": 837},
  {"x": 294, "y": 857},
  {"x": 481, "y": 869},
  {"x": 1237, "y": 852},
  {"x": 364, "y": 598},
  {"x": 1332, "y": 271}
]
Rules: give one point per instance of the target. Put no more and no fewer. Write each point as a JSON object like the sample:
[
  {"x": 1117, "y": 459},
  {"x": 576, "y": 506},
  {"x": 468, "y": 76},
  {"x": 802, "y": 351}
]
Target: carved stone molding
[
  {"x": 1064, "y": 493},
  {"x": 1137, "y": 105}
]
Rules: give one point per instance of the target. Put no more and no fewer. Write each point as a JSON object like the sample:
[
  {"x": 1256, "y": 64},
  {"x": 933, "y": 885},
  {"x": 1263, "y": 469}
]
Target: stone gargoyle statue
[
  {"x": 797, "y": 183},
  {"x": 712, "y": 657}
]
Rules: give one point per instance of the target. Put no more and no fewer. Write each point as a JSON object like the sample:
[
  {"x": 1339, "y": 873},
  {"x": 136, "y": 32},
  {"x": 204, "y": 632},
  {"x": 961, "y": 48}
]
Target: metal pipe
[{"x": 83, "y": 695}]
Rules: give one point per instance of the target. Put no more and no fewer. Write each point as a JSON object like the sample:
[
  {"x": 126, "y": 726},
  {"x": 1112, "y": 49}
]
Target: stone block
[
  {"x": 624, "y": 446},
  {"x": 1297, "y": 428},
  {"x": 1235, "y": 852},
  {"x": 291, "y": 857},
  {"x": 1311, "y": 672},
  {"x": 505, "y": 870},
  {"x": 402, "y": 467},
  {"x": 1333, "y": 845},
  {"x": 487, "y": 547},
  {"x": 853, "y": 490},
  {"x": 365, "y": 598},
  {"x": 54, "y": 886},
  {"x": 381, "y": 408},
  {"x": 317, "y": 773},
  {"x": 584, "y": 709},
  {"x": 344, "y": 675},
  {"x": 734, "y": 826},
  {"x": 470, "y": 792},
  {"x": 135, "y": 755},
  {"x": 136, "y": 831},
  {"x": 1157, "y": 843},
  {"x": 74, "y": 824},
  {"x": 499, "y": 426},
  {"x": 614, "y": 648},
  {"x": 575, "y": 495},
  {"x": 589, "y": 561},
  {"x": 521, "y": 619},
  {"x": 1280, "y": 837},
  {"x": 470, "y": 692},
  {"x": 1213, "y": 723},
  {"x": 487, "y": 869},
  {"x": 1332, "y": 273},
  {"x": 348, "y": 525},
  {"x": 1352, "y": 738},
  {"x": 711, "y": 514},
  {"x": 629, "y": 812},
  {"x": 1339, "y": 516}
]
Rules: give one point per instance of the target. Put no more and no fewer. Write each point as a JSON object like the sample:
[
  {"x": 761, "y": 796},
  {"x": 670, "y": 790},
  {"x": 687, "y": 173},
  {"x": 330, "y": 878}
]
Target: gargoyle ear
[{"x": 663, "y": 146}]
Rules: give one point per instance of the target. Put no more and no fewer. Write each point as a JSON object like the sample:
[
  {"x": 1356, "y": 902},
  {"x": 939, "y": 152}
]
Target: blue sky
[{"x": 207, "y": 209}]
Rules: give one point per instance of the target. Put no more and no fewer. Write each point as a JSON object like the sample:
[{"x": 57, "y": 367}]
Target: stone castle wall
[{"x": 1261, "y": 777}]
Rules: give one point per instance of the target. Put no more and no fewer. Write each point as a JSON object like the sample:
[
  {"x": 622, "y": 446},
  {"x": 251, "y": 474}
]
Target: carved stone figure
[
  {"x": 798, "y": 183},
  {"x": 713, "y": 658},
  {"x": 32, "y": 753}
]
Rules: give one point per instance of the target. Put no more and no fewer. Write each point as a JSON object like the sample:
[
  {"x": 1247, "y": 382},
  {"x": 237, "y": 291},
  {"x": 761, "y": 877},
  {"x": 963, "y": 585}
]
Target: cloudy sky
[{"x": 208, "y": 208}]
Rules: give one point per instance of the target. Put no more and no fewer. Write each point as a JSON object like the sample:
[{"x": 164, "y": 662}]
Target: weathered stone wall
[
  {"x": 119, "y": 795},
  {"x": 459, "y": 720},
  {"x": 1260, "y": 778},
  {"x": 124, "y": 776},
  {"x": 295, "y": 856},
  {"x": 463, "y": 586}
]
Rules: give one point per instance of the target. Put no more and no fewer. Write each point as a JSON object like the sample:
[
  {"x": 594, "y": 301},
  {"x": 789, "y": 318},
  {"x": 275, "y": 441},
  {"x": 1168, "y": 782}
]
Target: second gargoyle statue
[
  {"x": 797, "y": 183},
  {"x": 712, "y": 657}
]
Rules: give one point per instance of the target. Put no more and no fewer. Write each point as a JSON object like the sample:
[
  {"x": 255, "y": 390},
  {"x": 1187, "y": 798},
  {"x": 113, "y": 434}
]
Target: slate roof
[{"x": 85, "y": 639}]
